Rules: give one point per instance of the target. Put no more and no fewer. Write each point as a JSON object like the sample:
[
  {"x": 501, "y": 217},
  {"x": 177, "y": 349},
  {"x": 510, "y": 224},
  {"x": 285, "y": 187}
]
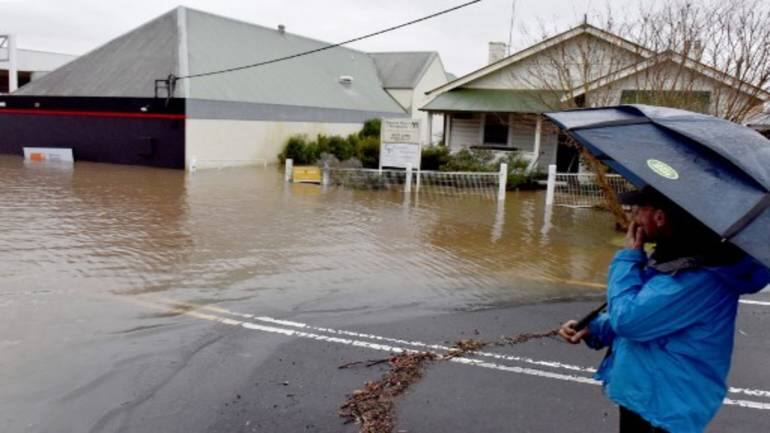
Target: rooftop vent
[
  {"x": 346, "y": 80},
  {"x": 281, "y": 28}
]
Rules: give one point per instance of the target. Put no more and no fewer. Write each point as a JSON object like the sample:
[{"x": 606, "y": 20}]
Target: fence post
[
  {"x": 551, "y": 188},
  {"x": 502, "y": 183},
  {"x": 325, "y": 175},
  {"x": 289, "y": 169},
  {"x": 408, "y": 183}
]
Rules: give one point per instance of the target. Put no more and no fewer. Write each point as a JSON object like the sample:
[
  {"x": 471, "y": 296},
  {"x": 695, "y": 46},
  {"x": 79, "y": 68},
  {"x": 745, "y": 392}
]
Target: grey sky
[{"x": 77, "y": 26}]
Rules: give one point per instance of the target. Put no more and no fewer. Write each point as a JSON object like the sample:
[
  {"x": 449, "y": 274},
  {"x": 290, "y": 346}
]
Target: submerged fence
[
  {"x": 581, "y": 189},
  {"x": 479, "y": 184}
]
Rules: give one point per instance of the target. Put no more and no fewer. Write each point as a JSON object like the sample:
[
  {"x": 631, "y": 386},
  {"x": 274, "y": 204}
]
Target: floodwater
[{"x": 243, "y": 233}]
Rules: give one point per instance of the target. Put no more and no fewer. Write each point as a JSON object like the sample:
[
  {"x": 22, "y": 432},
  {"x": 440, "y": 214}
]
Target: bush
[
  {"x": 368, "y": 151},
  {"x": 470, "y": 160},
  {"x": 341, "y": 147},
  {"x": 518, "y": 178},
  {"x": 433, "y": 157},
  {"x": 300, "y": 150},
  {"x": 371, "y": 129}
]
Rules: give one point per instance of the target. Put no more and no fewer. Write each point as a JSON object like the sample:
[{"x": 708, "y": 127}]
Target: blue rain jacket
[{"x": 671, "y": 337}]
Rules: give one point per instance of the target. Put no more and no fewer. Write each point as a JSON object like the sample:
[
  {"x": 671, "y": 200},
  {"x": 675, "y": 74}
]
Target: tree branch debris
[{"x": 373, "y": 406}]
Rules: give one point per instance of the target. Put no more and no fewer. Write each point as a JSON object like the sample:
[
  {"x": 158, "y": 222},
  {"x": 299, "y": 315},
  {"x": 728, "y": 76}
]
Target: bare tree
[{"x": 712, "y": 57}]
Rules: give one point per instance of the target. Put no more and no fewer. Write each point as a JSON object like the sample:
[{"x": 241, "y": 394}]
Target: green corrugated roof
[{"x": 489, "y": 100}]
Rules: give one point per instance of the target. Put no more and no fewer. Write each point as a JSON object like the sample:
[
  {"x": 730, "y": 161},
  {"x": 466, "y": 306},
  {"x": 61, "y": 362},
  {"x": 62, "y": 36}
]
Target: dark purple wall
[{"x": 117, "y": 130}]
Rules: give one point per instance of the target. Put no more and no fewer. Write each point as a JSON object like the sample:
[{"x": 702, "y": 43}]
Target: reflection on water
[{"x": 244, "y": 233}]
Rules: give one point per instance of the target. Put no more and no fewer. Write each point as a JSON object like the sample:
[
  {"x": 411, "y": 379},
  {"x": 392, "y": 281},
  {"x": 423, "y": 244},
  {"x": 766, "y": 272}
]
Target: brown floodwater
[{"x": 243, "y": 233}]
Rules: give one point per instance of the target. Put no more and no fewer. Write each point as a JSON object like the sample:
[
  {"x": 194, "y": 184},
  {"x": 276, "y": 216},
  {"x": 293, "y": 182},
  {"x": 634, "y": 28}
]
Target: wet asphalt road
[{"x": 190, "y": 372}]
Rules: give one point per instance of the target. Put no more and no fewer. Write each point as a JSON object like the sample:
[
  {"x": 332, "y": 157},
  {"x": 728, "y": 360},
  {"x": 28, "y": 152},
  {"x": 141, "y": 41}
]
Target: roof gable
[
  {"x": 402, "y": 70},
  {"x": 679, "y": 60},
  {"x": 540, "y": 47}
]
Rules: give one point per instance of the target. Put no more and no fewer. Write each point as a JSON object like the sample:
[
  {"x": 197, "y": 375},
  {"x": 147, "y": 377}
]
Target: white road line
[
  {"x": 752, "y": 302},
  {"x": 552, "y": 364},
  {"x": 461, "y": 360}
]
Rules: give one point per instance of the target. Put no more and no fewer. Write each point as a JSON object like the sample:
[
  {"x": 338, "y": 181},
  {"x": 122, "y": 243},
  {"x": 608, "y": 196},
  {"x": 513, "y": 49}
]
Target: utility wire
[{"x": 328, "y": 47}]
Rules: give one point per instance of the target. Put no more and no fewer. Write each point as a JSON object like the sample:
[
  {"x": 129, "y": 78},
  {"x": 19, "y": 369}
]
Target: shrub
[
  {"x": 299, "y": 149},
  {"x": 341, "y": 147},
  {"x": 470, "y": 160},
  {"x": 371, "y": 129},
  {"x": 433, "y": 157},
  {"x": 368, "y": 151}
]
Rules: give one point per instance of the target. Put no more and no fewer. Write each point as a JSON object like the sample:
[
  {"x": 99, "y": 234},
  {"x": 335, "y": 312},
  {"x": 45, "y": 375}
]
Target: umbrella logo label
[{"x": 662, "y": 169}]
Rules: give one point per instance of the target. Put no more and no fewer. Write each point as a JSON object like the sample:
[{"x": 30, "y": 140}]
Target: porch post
[
  {"x": 538, "y": 130},
  {"x": 448, "y": 131},
  {"x": 430, "y": 128}
]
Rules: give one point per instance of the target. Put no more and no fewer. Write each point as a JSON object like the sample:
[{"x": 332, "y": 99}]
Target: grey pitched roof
[
  {"x": 402, "y": 70},
  {"x": 186, "y": 41}
]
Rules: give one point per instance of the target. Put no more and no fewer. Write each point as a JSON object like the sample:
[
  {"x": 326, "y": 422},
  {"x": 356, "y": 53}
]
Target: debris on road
[{"x": 373, "y": 406}]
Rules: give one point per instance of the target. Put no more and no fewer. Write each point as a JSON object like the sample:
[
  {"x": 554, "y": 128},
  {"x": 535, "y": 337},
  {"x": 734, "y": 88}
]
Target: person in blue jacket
[{"x": 670, "y": 318}]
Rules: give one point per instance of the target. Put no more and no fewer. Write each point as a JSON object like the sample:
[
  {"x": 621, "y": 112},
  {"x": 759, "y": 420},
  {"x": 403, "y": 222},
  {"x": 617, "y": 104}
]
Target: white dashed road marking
[{"x": 302, "y": 330}]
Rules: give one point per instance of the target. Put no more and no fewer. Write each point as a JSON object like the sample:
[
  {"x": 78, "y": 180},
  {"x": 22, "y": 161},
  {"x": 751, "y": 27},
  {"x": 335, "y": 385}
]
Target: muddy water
[{"x": 243, "y": 233}]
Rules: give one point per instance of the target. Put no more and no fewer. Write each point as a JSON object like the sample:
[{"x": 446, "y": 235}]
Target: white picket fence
[
  {"x": 580, "y": 190},
  {"x": 479, "y": 184}
]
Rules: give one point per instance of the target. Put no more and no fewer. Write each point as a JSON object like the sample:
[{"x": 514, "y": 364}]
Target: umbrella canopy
[{"x": 716, "y": 170}]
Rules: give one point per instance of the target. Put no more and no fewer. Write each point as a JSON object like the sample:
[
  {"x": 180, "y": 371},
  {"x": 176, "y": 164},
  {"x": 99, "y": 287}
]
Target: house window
[
  {"x": 698, "y": 101},
  {"x": 496, "y": 129}
]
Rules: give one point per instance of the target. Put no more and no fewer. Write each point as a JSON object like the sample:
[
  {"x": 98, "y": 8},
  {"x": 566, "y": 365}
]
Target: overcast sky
[{"x": 461, "y": 38}]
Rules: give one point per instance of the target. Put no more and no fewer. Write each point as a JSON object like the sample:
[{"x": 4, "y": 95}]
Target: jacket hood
[{"x": 745, "y": 276}]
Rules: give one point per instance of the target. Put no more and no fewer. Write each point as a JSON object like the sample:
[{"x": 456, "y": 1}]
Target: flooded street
[
  {"x": 148, "y": 300},
  {"x": 99, "y": 229}
]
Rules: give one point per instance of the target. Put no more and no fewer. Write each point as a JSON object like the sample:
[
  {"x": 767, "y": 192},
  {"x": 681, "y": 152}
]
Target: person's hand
[
  {"x": 570, "y": 335},
  {"x": 634, "y": 237}
]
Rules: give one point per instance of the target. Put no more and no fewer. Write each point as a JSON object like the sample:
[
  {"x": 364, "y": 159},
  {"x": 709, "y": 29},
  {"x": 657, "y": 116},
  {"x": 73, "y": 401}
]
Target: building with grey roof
[
  {"x": 407, "y": 76},
  {"x": 233, "y": 118}
]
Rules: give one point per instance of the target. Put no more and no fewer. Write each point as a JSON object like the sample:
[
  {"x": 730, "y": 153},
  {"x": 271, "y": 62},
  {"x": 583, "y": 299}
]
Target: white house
[{"x": 498, "y": 106}]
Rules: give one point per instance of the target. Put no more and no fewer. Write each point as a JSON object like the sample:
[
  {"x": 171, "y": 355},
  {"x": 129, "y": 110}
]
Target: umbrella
[{"x": 716, "y": 170}]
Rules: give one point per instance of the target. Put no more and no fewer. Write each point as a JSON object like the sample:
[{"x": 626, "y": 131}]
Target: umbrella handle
[{"x": 589, "y": 317}]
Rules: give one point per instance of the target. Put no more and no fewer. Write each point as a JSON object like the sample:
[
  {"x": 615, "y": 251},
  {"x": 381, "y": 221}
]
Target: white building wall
[
  {"x": 226, "y": 143},
  {"x": 36, "y": 61},
  {"x": 433, "y": 77},
  {"x": 465, "y": 132},
  {"x": 470, "y": 132}
]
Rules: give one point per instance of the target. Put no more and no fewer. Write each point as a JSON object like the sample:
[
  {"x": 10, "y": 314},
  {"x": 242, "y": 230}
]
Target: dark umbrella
[{"x": 716, "y": 170}]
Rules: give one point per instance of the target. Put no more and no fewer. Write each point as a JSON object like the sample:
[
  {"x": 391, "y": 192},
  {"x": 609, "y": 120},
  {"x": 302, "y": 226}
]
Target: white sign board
[
  {"x": 400, "y": 143},
  {"x": 48, "y": 154},
  {"x": 399, "y": 155}
]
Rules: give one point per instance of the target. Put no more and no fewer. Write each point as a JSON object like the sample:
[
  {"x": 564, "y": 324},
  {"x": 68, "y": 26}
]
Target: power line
[{"x": 327, "y": 47}]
